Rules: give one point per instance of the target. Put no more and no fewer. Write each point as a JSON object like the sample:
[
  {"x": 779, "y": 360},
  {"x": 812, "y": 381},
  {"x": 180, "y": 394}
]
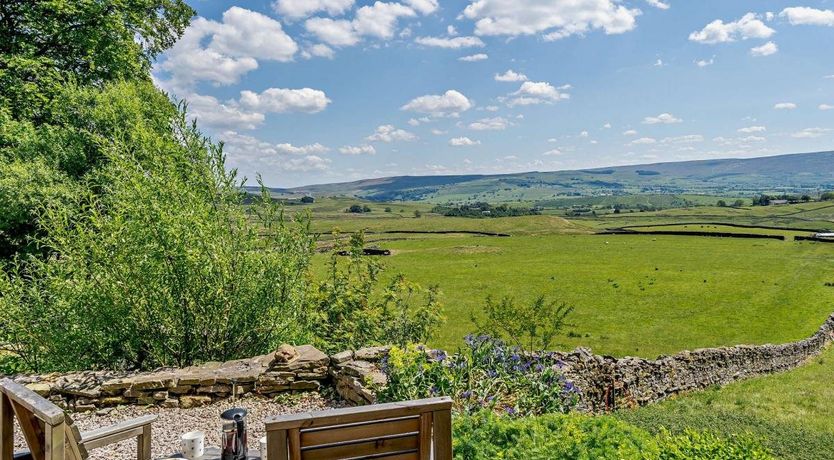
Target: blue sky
[{"x": 315, "y": 91}]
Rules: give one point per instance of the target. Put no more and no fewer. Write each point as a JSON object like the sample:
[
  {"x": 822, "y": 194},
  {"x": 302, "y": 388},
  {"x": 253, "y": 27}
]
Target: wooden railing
[{"x": 411, "y": 430}]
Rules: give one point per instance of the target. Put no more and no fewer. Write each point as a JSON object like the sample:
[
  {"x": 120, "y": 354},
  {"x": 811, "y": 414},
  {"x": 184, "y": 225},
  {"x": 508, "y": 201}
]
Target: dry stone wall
[{"x": 605, "y": 382}]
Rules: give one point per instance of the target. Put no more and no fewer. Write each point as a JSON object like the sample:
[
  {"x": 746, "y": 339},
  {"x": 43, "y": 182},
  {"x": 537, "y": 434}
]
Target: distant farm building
[
  {"x": 778, "y": 202},
  {"x": 824, "y": 235}
]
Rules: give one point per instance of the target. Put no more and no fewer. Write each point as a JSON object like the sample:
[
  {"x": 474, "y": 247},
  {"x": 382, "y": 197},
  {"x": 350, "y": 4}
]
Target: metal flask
[{"x": 234, "y": 434}]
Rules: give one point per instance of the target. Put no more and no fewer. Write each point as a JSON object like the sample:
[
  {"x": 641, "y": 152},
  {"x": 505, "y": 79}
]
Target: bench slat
[
  {"x": 402, "y": 445},
  {"x": 376, "y": 429}
]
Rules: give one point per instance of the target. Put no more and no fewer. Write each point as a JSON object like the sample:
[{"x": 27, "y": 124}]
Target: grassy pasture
[{"x": 792, "y": 411}]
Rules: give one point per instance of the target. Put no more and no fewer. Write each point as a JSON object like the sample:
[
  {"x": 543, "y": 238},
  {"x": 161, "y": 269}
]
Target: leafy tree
[
  {"x": 738, "y": 203},
  {"x": 721, "y": 204},
  {"x": 308, "y": 200},
  {"x": 45, "y": 44},
  {"x": 418, "y": 214},
  {"x": 827, "y": 196}
]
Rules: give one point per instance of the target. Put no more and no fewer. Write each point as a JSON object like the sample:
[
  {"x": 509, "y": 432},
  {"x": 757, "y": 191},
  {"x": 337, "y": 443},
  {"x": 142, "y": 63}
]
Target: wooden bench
[
  {"x": 52, "y": 435},
  {"x": 411, "y": 430}
]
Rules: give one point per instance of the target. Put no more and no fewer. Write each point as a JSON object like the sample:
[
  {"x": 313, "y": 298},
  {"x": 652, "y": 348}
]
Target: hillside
[{"x": 794, "y": 173}]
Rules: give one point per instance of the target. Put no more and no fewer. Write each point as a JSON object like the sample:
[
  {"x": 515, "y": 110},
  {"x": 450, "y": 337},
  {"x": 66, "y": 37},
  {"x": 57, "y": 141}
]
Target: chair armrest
[{"x": 115, "y": 433}]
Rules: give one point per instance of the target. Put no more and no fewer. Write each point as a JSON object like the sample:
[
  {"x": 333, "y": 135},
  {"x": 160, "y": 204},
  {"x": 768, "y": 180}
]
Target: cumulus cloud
[
  {"x": 765, "y": 50},
  {"x": 318, "y": 50},
  {"x": 358, "y": 150},
  {"x": 389, "y": 133},
  {"x": 658, "y": 4},
  {"x": 705, "y": 62},
  {"x": 295, "y": 9},
  {"x": 280, "y": 100},
  {"x": 630, "y": 132},
  {"x": 474, "y": 57},
  {"x": 463, "y": 142},
  {"x": 686, "y": 139},
  {"x": 490, "y": 124},
  {"x": 826, "y": 107},
  {"x": 749, "y": 26},
  {"x": 811, "y": 133},
  {"x": 785, "y": 106},
  {"x": 451, "y": 103},
  {"x": 208, "y": 111},
  {"x": 553, "y": 19},
  {"x": 553, "y": 153},
  {"x": 510, "y": 76},
  {"x": 378, "y": 20},
  {"x": 221, "y": 52},
  {"x": 662, "y": 119},
  {"x": 534, "y": 93},
  {"x": 803, "y": 15},
  {"x": 256, "y": 154},
  {"x": 643, "y": 141},
  {"x": 752, "y": 129},
  {"x": 450, "y": 42}
]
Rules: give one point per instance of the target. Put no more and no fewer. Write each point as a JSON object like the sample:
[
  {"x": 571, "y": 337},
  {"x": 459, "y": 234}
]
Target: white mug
[
  {"x": 193, "y": 444},
  {"x": 263, "y": 448}
]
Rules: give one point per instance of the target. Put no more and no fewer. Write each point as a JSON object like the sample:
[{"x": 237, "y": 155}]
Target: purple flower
[{"x": 510, "y": 410}]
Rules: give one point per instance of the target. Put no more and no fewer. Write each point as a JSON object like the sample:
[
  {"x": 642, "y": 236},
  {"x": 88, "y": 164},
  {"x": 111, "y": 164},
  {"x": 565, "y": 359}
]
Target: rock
[
  {"x": 160, "y": 395},
  {"x": 171, "y": 403},
  {"x": 187, "y": 402},
  {"x": 181, "y": 389},
  {"x": 215, "y": 389},
  {"x": 342, "y": 357},
  {"x": 371, "y": 353},
  {"x": 113, "y": 400},
  {"x": 305, "y": 385},
  {"x": 104, "y": 412},
  {"x": 359, "y": 368},
  {"x": 84, "y": 407},
  {"x": 43, "y": 389},
  {"x": 285, "y": 354}
]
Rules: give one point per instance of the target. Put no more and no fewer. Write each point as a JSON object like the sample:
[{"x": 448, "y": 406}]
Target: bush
[
  {"x": 485, "y": 435},
  {"x": 531, "y": 327},
  {"x": 347, "y": 311},
  {"x": 485, "y": 374}
]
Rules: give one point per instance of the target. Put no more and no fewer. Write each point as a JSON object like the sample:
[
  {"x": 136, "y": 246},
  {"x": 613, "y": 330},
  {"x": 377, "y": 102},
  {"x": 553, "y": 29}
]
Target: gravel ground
[{"x": 174, "y": 422}]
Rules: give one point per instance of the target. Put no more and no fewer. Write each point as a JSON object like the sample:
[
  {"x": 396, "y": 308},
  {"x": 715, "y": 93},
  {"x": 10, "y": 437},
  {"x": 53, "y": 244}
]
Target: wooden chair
[
  {"x": 52, "y": 435},
  {"x": 411, "y": 430}
]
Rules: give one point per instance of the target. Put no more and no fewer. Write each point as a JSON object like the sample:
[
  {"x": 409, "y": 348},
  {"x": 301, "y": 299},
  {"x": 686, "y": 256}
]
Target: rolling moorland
[{"x": 635, "y": 293}]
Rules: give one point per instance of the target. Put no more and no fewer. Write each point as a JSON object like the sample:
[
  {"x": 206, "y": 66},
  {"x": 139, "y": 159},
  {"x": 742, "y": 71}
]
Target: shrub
[
  {"x": 485, "y": 374},
  {"x": 485, "y": 435},
  {"x": 531, "y": 327},
  {"x": 348, "y": 311}
]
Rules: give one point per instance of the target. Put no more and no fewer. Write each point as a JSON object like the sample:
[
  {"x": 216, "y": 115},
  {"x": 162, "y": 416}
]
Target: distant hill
[{"x": 795, "y": 173}]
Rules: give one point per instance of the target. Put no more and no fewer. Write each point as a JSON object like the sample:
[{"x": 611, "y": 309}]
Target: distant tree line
[
  {"x": 765, "y": 200},
  {"x": 481, "y": 209}
]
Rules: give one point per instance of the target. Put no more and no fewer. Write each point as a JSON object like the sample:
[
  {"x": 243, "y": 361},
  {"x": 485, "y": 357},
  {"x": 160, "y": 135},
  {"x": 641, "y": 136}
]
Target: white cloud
[
  {"x": 380, "y": 19},
  {"x": 765, "y": 50},
  {"x": 208, "y": 111},
  {"x": 749, "y": 26},
  {"x": 221, "y": 52},
  {"x": 451, "y": 103},
  {"x": 659, "y": 63},
  {"x": 752, "y": 129},
  {"x": 686, "y": 139},
  {"x": 630, "y": 132},
  {"x": 280, "y": 100},
  {"x": 336, "y": 32},
  {"x": 663, "y": 118},
  {"x": 290, "y": 149},
  {"x": 643, "y": 141},
  {"x": 388, "y": 133},
  {"x": 318, "y": 50},
  {"x": 295, "y": 9},
  {"x": 451, "y": 30},
  {"x": 810, "y": 133},
  {"x": 258, "y": 154},
  {"x": 358, "y": 150},
  {"x": 826, "y": 107},
  {"x": 829, "y": 77},
  {"x": 553, "y": 153},
  {"x": 584, "y": 134},
  {"x": 533, "y": 93},
  {"x": 423, "y": 6},
  {"x": 510, "y": 76},
  {"x": 450, "y": 42},
  {"x": 474, "y": 57},
  {"x": 785, "y": 106},
  {"x": 704, "y": 62},
  {"x": 463, "y": 142},
  {"x": 803, "y": 15},
  {"x": 438, "y": 132},
  {"x": 490, "y": 124},
  {"x": 658, "y": 4},
  {"x": 606, "y": 126},
  {"x": 556, "y": 19}
]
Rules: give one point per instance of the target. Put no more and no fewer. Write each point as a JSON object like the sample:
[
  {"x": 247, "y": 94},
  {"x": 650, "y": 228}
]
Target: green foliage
[
  {"x": 156, "y": 262},
  {"x": 827, "y": 196},
  {"x": 358, "y": 209},
  {"x": 481, "y": 209},
  {"x": 45, "y": 44},
  {"x": 348, "y": 311},
  {"x": 531, "y": 327},
  {"x": 485, "y": 435},
  {"x": 485, "y": 374}
]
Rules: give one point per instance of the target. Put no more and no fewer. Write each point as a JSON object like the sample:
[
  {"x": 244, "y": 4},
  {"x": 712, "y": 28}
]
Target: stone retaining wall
[{"x": 605, "y": 383}]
